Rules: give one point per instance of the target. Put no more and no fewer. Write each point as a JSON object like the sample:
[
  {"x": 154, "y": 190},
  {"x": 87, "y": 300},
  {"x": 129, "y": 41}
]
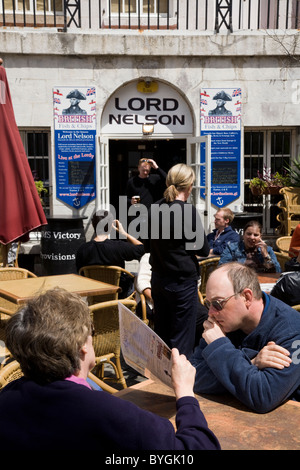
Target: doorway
[{"x": 125, "y": 154}]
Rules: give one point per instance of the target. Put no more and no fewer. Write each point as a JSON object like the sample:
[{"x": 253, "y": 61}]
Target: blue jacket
[
  {"x": 236, "y": 252},
  {"x": 67, "y": 416},
  {"x": 222, "y": 366},
  {"x": 218, "y": 245}
]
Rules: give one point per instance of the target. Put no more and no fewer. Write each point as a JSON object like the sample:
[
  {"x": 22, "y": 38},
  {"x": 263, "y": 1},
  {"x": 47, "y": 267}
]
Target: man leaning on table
[{"x": 250, "y": 342}]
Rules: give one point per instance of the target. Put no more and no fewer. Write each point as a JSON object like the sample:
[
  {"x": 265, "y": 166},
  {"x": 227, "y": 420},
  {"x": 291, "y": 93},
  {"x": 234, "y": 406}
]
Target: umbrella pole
[{"x": 3, "y": 255}]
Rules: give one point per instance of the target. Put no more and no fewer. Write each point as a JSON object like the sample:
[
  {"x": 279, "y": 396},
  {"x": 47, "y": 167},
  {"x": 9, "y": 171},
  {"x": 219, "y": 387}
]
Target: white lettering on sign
[
  {"x": 61, "y": 235},
  {"x": 128, "y": 109}
]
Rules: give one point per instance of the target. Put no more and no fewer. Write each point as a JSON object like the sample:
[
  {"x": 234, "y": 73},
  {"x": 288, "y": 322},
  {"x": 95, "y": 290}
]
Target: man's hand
[
  {"x": 273, "y": 356},
  {"x": 212, "y": 331},
  {"x": 118, "y": 227},
  {"x": 153, "y": 164},
  {"x": 183, "y": 375}
]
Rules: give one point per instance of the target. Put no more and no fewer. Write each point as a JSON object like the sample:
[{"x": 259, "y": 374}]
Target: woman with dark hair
[
  {"x": 177, "y": 236},
  {"x": 104, "y": 251},
  {"x": 252, "y": 251}
]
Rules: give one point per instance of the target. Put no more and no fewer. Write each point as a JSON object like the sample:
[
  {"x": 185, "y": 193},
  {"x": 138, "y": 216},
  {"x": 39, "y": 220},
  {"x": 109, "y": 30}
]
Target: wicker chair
[
  {"x": 108, "y": 274},
  {"x": 10, "y": 372},
  {"x": 106, "y": 339},
  {"x": 283, "y": 244},
  {"x": 296, "y": 307},
  {"x": 7, "y": 274},
  {"x": 282, "y": 258},
  {"x": 206, "y": 267}
]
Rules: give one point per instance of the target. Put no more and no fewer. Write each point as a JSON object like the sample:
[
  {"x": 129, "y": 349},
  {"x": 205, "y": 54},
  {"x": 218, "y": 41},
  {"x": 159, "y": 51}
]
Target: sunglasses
[{"x": 218, "y": 304}]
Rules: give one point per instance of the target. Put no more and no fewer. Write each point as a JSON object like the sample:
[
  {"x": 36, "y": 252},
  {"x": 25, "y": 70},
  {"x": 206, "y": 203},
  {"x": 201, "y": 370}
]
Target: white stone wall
[{"x": 264, "y": 64}]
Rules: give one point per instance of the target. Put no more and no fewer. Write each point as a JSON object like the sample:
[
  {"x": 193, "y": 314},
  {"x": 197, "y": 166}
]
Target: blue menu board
[
  {"x": 75, "y": 144},
  {"x": 221, "y": 118}
]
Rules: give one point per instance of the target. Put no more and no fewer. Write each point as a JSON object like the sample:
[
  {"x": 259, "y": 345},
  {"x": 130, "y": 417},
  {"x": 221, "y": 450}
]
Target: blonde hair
[{"x": 179, "y": 178}]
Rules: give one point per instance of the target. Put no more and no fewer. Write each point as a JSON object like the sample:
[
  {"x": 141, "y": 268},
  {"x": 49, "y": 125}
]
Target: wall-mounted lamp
[{"x": 148, "y": 129}]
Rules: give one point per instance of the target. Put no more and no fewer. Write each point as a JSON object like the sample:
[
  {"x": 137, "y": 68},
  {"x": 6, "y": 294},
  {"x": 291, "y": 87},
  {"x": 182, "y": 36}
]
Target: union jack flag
[
  {"x": 203, "y": 101},
  {"x": 238, "y": 109},
  {"x": 237, "y": 92},
  {"x": 93, "y": 108},
  {"x": 56, "y": 100},
  {"x": 91, "y": 91}
]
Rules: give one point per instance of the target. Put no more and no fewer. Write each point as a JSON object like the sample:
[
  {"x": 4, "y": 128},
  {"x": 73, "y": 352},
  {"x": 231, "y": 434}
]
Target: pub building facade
[{"x": 213, "y": 84}]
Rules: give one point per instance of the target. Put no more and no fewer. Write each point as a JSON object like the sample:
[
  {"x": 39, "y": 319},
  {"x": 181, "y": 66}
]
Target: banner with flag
[
  {"x": 75, "y": 144},
  {"x": 220, "y": 116}
]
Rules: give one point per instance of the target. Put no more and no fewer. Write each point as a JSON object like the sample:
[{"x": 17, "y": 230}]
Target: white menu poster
[{"x": 142, "y": 349}]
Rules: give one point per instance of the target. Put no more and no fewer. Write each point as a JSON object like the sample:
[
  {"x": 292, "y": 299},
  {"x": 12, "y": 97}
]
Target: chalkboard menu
[
  {"x": 224, "y": 172},
  {"x": 81, "y": 173}
]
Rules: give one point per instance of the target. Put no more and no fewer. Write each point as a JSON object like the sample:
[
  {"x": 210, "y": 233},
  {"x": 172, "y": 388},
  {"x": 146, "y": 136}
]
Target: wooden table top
[
  {"x": 20, "y": 290},
  {"x": 268, "y": 277},
  {"x": 236, "y": 427}
]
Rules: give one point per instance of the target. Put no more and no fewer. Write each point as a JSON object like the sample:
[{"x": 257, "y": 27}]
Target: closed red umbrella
[{"x": 20, "y": 206}]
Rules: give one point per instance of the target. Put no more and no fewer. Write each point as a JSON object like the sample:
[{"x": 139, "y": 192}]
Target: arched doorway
[
  {"x": 143, "y": 101},
  {"x": 124, "y": 155}
]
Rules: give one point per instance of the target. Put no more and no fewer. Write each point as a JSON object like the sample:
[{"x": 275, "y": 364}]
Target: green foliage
[
  {"x": 294, "y": 172},
  {"x": 41, "y": 189}
]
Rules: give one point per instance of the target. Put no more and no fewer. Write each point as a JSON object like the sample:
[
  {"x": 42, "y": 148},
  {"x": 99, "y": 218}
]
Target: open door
[
  {"x": 102, "y": 175},
  {"x": 202, "y": 171}
]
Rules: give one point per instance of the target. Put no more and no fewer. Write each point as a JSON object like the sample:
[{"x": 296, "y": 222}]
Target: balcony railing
[{"x": 189, "y": 15}]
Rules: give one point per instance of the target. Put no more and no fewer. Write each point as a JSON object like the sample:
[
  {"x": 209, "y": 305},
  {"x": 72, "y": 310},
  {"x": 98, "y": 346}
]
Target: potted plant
[
  {"x": 294, "y": 173},
  {"x": 257, "y": 186},
  {"x": 41, "y": 190},
  {"x": 268, "y": 183}
]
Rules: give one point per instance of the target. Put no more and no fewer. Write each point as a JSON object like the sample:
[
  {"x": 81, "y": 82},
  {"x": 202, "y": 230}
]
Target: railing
[{"x": 189, "y": 15}]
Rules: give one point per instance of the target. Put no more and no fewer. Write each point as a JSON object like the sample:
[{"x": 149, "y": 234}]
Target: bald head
[{"x": 239, "y": 276}]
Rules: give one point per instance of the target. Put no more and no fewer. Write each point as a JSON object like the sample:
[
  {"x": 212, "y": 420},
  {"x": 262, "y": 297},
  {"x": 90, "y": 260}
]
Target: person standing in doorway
[{"x": 148, "y": 186}]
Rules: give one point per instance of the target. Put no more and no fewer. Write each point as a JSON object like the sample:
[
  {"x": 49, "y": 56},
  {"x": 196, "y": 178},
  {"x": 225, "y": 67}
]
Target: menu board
[
  {"x": 75, "y": 144},
  {"x": 221, "y": 119}
]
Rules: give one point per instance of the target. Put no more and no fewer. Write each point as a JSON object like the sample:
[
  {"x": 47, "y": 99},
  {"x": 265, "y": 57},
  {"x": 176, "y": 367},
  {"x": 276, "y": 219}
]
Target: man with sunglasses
[
  {"x": 148, "y": 186},
  {"x": 250, "y": 346}
]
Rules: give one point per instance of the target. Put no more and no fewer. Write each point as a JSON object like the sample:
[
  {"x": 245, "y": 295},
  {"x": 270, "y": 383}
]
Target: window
[
  {"x": 139, "y": 6},
  {"x": 33, "y": 5},
  {"x": 36, "y": 144},
  {"x": 271, "y": 149}
]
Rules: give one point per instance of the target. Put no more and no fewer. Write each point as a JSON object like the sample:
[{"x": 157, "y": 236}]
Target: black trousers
[{"x": 175, "y": 312}]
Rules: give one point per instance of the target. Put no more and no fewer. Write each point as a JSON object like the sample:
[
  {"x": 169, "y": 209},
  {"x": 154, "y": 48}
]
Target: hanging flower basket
[
  {"x": 273, "y": 190},
  {"x": 256, "y": 191}
]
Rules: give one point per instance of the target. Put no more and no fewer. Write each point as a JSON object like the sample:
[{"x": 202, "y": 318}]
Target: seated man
[
  {"x": 53, "y": 407},
  {"x": 223, "y": 233},
  {"x": 241, "y": 322}
]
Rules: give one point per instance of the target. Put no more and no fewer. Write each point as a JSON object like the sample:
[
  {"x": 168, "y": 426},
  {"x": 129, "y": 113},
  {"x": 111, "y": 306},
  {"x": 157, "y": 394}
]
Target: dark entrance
[{"x": 125, "y": 154}]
